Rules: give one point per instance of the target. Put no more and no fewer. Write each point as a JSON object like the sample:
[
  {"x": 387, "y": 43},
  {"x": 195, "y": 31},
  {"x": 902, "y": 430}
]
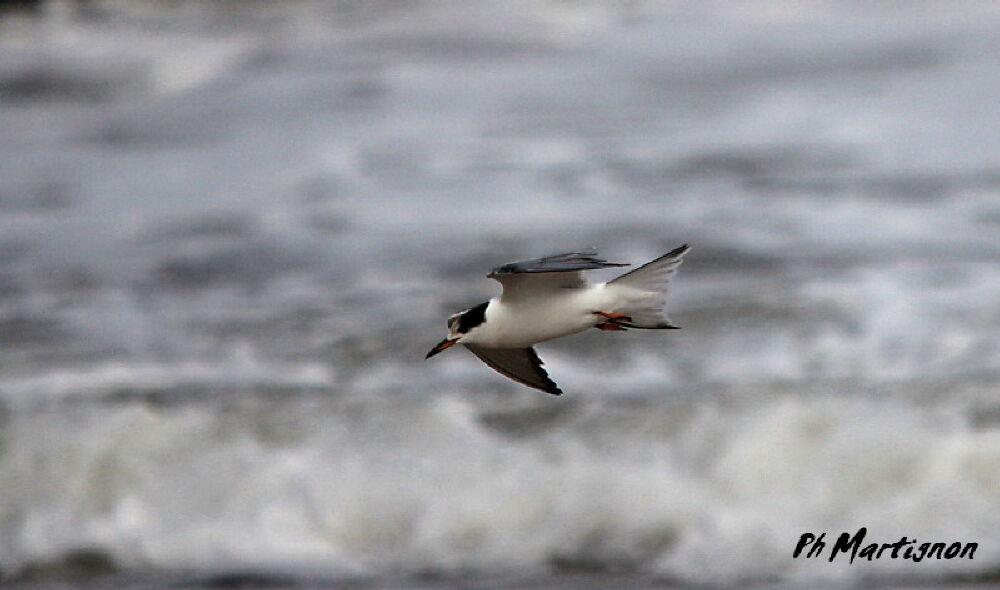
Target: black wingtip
[
  {"x": 656, "y": 327},
  {"x": 682, "y": 249}
]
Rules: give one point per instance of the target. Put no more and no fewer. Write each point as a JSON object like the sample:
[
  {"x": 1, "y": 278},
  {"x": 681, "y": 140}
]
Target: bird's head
[{"x": 459, "y": 326}]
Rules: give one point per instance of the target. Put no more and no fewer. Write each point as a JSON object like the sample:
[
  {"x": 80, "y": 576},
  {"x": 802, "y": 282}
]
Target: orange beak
[{"x": 446, "y": 343}]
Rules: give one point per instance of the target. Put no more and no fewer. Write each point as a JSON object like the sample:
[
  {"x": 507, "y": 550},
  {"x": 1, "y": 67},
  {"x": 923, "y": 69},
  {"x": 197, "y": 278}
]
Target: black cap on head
[{"x": 471, "y": 318}]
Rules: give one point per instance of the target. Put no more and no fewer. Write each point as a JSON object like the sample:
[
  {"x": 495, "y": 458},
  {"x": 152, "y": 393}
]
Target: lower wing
[{"x": 520, "y": 364}]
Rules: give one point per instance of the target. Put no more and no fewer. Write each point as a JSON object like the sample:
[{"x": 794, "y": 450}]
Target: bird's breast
[{"x": 528, "y": 322}]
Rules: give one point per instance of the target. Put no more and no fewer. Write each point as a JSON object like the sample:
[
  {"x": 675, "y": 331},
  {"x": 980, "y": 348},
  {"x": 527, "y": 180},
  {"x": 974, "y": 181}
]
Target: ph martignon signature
[{"x": 904, "y": 548}]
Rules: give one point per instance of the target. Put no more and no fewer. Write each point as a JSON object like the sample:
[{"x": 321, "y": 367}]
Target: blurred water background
[{"x": 229, "y": 231}]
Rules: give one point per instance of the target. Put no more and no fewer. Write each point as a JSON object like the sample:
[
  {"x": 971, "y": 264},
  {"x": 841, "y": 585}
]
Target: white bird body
[
  {"x": 526, "y": 321},
  {"x": 548, "y": 298}
]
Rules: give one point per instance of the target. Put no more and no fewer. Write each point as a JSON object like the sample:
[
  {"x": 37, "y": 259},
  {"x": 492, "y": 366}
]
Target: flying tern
[{"x": 547, "y": 298}]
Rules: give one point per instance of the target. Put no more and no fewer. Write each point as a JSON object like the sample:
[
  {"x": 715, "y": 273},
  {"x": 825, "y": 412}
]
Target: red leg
[
  {"x": 610, "y": 327},
  {"x": 615, "y": 317}
]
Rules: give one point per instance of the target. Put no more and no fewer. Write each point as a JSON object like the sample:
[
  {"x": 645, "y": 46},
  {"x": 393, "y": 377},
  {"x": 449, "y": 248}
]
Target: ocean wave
[{"x": 715, "y": 488}]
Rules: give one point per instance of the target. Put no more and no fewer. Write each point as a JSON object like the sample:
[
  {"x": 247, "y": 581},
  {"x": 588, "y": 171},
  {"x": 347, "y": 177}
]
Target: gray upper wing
[
  {"x": 566, "y": 262},
  {"x": 530, "y": 278},
  {"x": 520, "y": 364}
]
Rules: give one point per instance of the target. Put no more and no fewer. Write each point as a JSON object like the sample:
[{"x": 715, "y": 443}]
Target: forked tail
[{"x": 649, "y": 285}]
